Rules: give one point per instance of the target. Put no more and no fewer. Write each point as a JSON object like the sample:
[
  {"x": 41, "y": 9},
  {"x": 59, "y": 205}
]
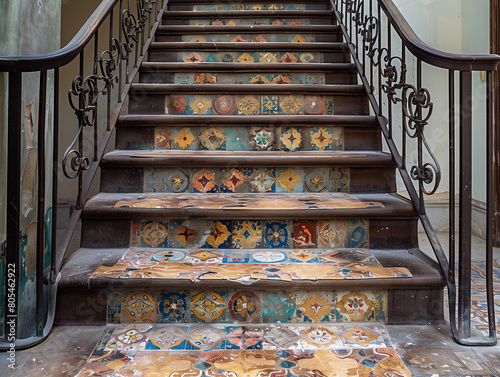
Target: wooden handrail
[
  {"x": 64, "y": 55},
  {"x": 458, "y": 62}
]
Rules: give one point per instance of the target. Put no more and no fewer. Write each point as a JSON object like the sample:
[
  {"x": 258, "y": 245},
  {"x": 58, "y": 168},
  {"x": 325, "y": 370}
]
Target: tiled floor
[{"x": 425, "y": 350}]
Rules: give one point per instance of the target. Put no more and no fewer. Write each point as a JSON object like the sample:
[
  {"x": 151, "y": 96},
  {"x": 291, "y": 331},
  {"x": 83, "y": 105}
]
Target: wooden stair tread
[
  {"x": 344, "y": 89},
  {"x": 249, "y": 206},
  {"x": 298, "y": 14},
  {"x": 133, "y": 120},
  {"x": 149, "y": 158},
  {"x": 187, "y": 29},
  {"x": 81, "y": 264}
]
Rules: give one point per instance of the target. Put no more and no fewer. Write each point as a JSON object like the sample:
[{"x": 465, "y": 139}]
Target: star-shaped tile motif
[
  {"x": 289, "y": 180},
  {"x": 218, "y": 235},
  {"x": 193, "y": 58},
  {"x": 291, "y": 140},
  {"x": 184, "y": 138}
]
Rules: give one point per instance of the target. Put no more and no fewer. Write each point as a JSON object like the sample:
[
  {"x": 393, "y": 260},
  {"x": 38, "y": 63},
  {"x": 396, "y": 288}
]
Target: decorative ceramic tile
[
  {"x": 341, "y": 179},
  {"x": 183, "y": 139},
  {"x": 203, "y": 180},
  {"x": 234, "y": 180},
  {"x": 162, "y": 139},
  {"x": 362, "y": 336},
  {"x": 269, "y": 256},
  {"x": 317, "y": 180},
  {"x": 203, "y": 257},
  {"x": 288, "y": 57},
  {"x": 262, "y": 180},
  {"x": 193, "y": 58},
  {"x": 249, "y": 105},
  {"x": 306, "y": 57},
  {"x": 114, "y": 307},
  {"x": 261, "y": 138},
  {"x": 244, "y": 306},
  {"x": 278, "y": 307},
  {"x": 205, "y": 78},
  {"x": 270, "y": 105},
  {"x": 305, "y": 234},
  {"x": 166, "y": 180},
  {"x": 154, "y": 234},
  {"x": 314, "y": 105},
  {"x": 291, "y": 140},
  {"x": 289, "y": 180},
  {"x": 247, "y": 234},
  {"x": 200, "y": 106},
  {"x": 302, "y": 256},
  {"x": 291, "y": 105},
  {"x": 358, "y": 306},
  {"x": 312, "y": 337},
  {"x": 212, "y": 139},
  {"x": 332, "y": 233},
  {"x": 174, "y": 338},
  {"x": 244, "y": 337},
  {"x": 268, "y": 57},
  {"x": 181, "y": 105},
  {"x": 220, "y": 235},
  {"x": 129, "y": 338},
  {"x": 224, "y": 105},
  {"x": 277, "y": 235},
  {"x": 184, "y": 78},
  {"x": 182, "y": 235},
  {"x": 318, "y": 307},
  {"x": 139, "y": 307},
  {"x": 245, "y": 58},
  {"x": 173, "y": 307},
  {"x": 322, "y": 138},
  {"x": 206, "y": 337},
  {"x": 208, "y": 306},
  {"x": 280, "y": 337},
  {"x": 358, "y": 233}
]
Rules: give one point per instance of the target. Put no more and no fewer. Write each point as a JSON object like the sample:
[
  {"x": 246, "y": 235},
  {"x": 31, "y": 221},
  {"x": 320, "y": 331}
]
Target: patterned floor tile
[
  {"x": 246, "y": 234},
  {"x": 277, "y": 234},
  {"x": 280, "y": 337},
  {"x": 291, "y": 140},
  {"x": 269, "y": 256},
  {"x": 206, "y": 337},
  {"x": 362, "y": 336},
  {"x": 289, "y": 180},
  {"x": 129, "y": 337},
  {"x": 244, "y": 337},
  {"x": 154, "y": 234},
  {"x": 163, "y": 338},
  {"x": 317, "y": 337}
]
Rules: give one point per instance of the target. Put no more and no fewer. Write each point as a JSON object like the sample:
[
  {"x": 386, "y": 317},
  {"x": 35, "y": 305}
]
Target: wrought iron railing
[
  {"x": 385, "y": 49},
  {"x": 113, "y": 65}
]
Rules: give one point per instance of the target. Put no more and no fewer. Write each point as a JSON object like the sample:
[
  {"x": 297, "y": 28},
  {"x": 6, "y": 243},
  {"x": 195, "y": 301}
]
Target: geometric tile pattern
[
  {"x": 250, "y": 57},
  {"x": 246, "y": 180},
  {"x": 254, "y": 234},
  {"x": 261, "y": 6},
  {"x": 252, "y": 104},
  {"x": 281, "y": 37},
  {"x": 253, "y": 306},
  {"x": 292, "y": 139},
  {"x": 249, "y": 21},
  {"x": 170, "y": 350},
  {"x": 250, "y": 78}
]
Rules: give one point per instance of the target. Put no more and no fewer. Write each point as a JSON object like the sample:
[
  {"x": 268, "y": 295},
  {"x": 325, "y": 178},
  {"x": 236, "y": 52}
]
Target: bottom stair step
[
  {"x": 254, "y": 350},
  {"x": 174, "y": 285}
]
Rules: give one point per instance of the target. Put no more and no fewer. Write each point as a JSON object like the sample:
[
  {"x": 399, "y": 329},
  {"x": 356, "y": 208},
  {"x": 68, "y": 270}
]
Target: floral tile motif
[
  {"x": 129, "y": 338},
  {"x": 139, "y": 307},
  {"x": 298, "y": 39},
  {"x": 277, "y": 235},
  {"x": 270, "y": 105},
  {"x": 212, "y": 139},
  {"x": 322, "y": 138},
  {"x": 244, "y": 337},
  {"x": 248, "y": 105},
  {"x": 315, "y": 308},
  {"x": 244, "y": 306},
  {"x": 278, "y": 307},
  {"x": 362, "y": 336},
  {"x": 203, "y": 180},
  {"x": 341, "y": 179},
  {"x": 262, "y": 180},
  {"x": 182, "y": 235},
  {"x": 200, "y": 106},
  {"x": 173, "y": 307},
  {"x": 291, "y": 105},
  {"x": 319, "y": 337},
  {"x": 224, "y": 105},
  {"x": 219, "y": 236},
  {"x": 193, "y": 58},
  {"x": 291, "y": 140},
  {"x": 359, "y": 306},
  {"x": 289, "y": 180},
  {"x": 205, "y": 78},
  {"x": 162, "y": 139},
  {"x": 258, "y": 79},
  {"x": 305, "y": 234},
  {"x": 183, "y": 139},
  {"x": 247, "y": 234},
  {"x": 317, "y": 180},
  {"x": 261, "y": 138},
  {"x": 208, "y": 306},
  {"x": 173, "y": 338},
  {"x": 306, "y": 57},
  {"x": 180, "y": 105},
  {"x": 206, "y": 338},
  {"x": 234, "y": 181},
  {"x": 166, "y": 180},
  {"x": 154, "y": 234},
  {"x": 269, "y": 256},
  {"x": 314, "y": 105}
]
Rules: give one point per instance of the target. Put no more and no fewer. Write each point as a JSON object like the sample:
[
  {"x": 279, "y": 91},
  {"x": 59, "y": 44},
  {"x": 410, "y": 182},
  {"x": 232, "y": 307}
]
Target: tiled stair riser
[
  {"x": 250, "y": 138},
  {"x": 246, "y": 37},
  {"x": 249, "y": 21},
  {"x": 252, "y": 78},
  {"x": 250, "y": 57},
  {"x": 246, "y": 306},
  {"x": 247, "y": 180},
  {"x": 249, "y": 105},
  {"x": 238, "y": 234},
  {"x": 254, "y": 6}
]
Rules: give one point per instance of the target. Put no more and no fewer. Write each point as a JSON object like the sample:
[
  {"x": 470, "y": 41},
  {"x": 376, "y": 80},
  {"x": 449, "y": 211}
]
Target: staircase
[{"x": 248, "y": 190}]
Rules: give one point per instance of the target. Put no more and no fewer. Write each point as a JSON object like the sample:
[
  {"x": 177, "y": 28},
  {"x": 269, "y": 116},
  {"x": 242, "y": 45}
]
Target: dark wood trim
[{"x": 495, "y": 49}]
